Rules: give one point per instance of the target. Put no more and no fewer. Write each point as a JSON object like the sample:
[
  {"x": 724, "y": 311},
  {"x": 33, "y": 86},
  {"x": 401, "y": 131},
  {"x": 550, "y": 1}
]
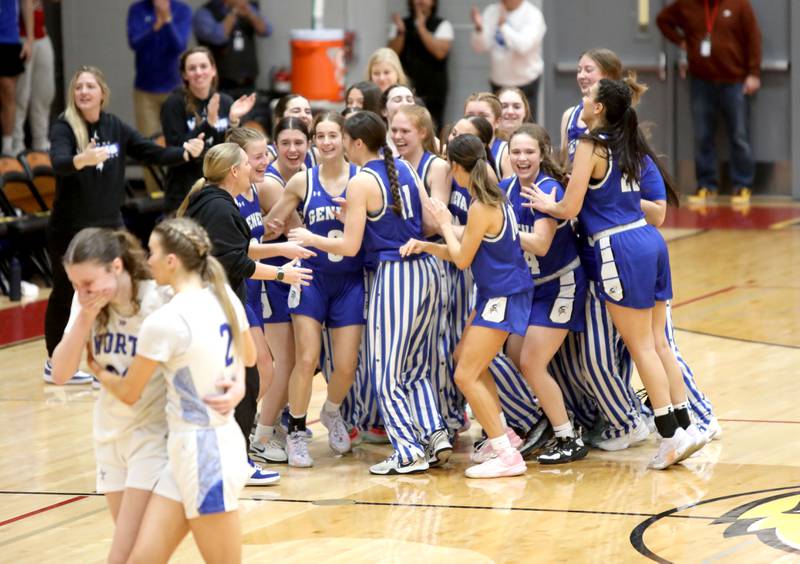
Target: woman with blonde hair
[
  {"x": 227, "y": 173},
  {"x": 88, "y": 149},
  {"x": 384, "y": 69},
  {"x": 200, "y": 342}
]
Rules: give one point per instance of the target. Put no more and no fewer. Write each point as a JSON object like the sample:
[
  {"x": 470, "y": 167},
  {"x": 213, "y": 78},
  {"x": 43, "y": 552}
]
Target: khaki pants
[{"x": 147, "y": 107}]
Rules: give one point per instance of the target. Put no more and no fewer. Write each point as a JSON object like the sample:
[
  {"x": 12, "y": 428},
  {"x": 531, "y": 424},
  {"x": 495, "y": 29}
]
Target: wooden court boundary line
[
  {"x": 636, "y": 537},
  {"x": 741, "y": 340},
  {"x": 78, "y": 497},
  {"x": 703, "y": 297},
  {"x": 391, "y": 504}
]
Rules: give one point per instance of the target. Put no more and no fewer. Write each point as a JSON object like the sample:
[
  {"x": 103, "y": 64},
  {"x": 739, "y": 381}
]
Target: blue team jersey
[
  {"x": 310, "y": 160},
  {"x": 498, "y": 149},
  {"x": 574, "y": 130},
  {"x": 652, "y": 183},
  {"x": 424, "y": 167},
  {"x": 611, "y": 201},
  {"x": 499, "y": 267},
  {"x": 564, "y": 248},
  {"x": 386, "y": 231},
  {"x": 319, "y": 216},
  {"x": 273, "y": 172},
  {"x": 250, "y": 210},
  {"x": 460, "y": 199}
]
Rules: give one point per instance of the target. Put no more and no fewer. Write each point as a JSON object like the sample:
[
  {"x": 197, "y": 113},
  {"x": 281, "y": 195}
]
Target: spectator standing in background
[
  {"x": 723, "y": 47},
  {"x": 158, "y": 31},
  {"x": 423, "y": 40},
  {"x": 36, "y": 86},
  {"x": 512, "y": 32},
  {"x": 13, "y": 54},
  {"x": 228, "y": 28}
]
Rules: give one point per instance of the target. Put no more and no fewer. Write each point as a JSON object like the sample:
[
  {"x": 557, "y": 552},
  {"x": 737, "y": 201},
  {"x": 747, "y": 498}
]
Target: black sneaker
[
  {"x": 563, "y": 450},
  {"x": 536, "y": 437}
]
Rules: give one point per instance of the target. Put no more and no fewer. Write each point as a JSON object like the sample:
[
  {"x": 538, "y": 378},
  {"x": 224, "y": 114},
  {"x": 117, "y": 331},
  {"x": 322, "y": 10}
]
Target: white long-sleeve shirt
[{"x": 516, "y": 47}]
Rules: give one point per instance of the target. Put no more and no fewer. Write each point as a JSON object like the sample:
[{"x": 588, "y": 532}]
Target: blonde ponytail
[
  {"x": 218, "y": 162},
  {"x": 196, "y": 187},
  {"x": 190, "y": 243}
]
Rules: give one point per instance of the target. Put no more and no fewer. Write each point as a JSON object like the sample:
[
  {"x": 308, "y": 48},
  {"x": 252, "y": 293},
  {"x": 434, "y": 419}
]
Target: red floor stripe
[
  {"x": 760, "y": 421},
  {"x": 703, "y": 297},
  {"x": 22, "y": 322},
  {"x": 42, "y": 510}
]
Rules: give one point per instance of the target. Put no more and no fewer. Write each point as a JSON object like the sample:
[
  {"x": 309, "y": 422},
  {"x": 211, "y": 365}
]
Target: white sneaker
[
  {"x": 297, "y": 450},
  {"x": 392, "y": 465},
  {"x": 271, "y": 453},
  {"x": 506, "y": 463},
  {"x": 439, "y": 449},
  {"x": 671, "y": 450},
  {"x": 80, "y": 377},
  {"x": 637, "y": 435},
  {"x": 484, "y": 451},
  {"x": 713, "y": 430},
  {"x": 261, "y": 477},
  {"x": 338, "y": 435},
  {"x": 699, "y": 440}
]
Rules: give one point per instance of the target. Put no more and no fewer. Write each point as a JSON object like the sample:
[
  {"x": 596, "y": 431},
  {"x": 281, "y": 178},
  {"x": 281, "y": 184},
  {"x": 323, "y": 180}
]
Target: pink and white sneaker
[
  {"x": 484, "y": 451},
  {"x": 506, "y": 463}
]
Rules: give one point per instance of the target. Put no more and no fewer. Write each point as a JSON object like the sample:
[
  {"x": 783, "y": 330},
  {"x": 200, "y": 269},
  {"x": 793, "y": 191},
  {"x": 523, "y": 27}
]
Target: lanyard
[{"x": 712, "y": 16}]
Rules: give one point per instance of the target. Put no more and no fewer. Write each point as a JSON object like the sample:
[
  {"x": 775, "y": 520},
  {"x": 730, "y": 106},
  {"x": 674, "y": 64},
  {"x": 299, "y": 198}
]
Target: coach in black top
[
  {"x": 423, "y": 41},
  {"x": 88, "y": 148}
]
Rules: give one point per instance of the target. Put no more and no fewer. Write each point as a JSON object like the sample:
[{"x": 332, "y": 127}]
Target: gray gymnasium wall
[{"x": 94, "y": 33}]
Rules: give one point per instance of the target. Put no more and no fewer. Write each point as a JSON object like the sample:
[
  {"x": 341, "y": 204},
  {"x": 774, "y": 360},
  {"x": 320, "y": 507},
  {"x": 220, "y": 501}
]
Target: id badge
[
  {"x": 705, "y": 47},
  {"x": 238, "y": 41}
]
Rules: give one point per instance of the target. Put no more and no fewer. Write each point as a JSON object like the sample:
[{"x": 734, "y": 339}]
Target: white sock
[
  {"x": 8, "y": 143},
  {"x": 503, "y": 420},
  {"x": 501, "y": 443},
  {"x": 264, "y": 433},
  {"x": 661, "y": 411},
  {"x": 331, "y": 407},
  {"x": 564, "y": 431}
]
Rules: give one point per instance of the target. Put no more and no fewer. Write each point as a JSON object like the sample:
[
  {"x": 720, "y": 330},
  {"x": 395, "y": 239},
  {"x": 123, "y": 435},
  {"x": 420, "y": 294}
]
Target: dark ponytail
[
  {"x": 394, "y": 180},
  {"x": 485, "y": 134},
  {"x": 469, "y": 153},
  {"x": 621, "y": 134},
  {"x": 369, "y": 127}
]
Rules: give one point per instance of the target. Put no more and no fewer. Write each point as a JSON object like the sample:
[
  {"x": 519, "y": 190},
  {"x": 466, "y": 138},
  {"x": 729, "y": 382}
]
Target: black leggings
[
  {"x": 245, "y": 413},
  {"x": 60, "y": 301}
]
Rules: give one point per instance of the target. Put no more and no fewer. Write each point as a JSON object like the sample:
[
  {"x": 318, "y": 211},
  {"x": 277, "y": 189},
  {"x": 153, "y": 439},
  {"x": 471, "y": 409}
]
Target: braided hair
[
  {"x": 190, "y": 243},
  {"x": 370, "y": 128}
]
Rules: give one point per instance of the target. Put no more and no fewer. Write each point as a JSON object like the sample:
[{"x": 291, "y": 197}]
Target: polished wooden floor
[{"x": 737, "y": 307}]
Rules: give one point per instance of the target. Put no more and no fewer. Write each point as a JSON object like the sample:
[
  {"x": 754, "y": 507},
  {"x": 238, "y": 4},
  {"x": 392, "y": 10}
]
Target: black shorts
[{"x": 10, "y": 63}]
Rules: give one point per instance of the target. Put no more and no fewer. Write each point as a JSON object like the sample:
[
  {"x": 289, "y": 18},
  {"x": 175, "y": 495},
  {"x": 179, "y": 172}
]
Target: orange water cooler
[{"x": 318, "y": 68}]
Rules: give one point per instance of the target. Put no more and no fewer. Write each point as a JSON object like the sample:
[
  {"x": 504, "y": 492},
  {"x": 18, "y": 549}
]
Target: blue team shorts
[
  {"x": 275, "y": 300},
  {"x": 253, "y": 306},
  {"x": 560, "y": 302},
  {"x": 333, "y": 298},
  {"x": 633, "y": 268},
  {"x": 507, "y": 313}
]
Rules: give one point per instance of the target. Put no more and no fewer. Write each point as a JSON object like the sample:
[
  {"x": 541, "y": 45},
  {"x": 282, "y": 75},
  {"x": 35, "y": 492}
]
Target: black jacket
[
  {"x": 178, "y": 126},
  {"x": 216, "y": 210},
  {"x": 93, "y": 196}
]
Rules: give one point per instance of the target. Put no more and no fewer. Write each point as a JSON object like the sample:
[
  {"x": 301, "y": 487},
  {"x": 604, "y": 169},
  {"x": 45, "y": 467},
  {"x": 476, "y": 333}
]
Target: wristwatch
[{"x": 279, "y": 276}]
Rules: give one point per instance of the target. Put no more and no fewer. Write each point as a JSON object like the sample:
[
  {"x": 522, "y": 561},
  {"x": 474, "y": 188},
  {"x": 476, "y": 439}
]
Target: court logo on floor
[
  {"x": 746, "y": 526},
  {"x": 774, "y": 520}
]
